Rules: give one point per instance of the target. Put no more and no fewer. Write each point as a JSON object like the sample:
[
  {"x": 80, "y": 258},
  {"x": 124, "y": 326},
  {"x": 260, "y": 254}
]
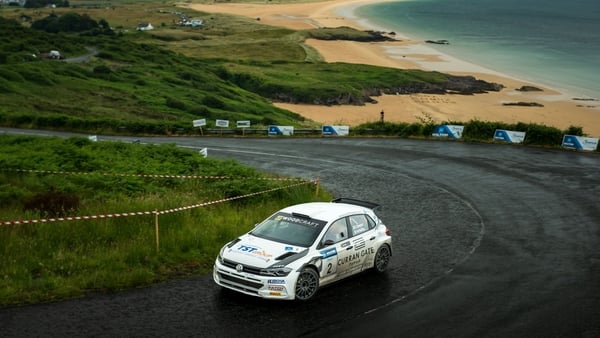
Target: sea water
[{"x": 554, "y": 43}]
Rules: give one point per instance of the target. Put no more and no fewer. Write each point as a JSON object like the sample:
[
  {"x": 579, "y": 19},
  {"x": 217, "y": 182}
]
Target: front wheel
[
  {"x": 382, "y": 258},
  {"x": 307, "y": 284}
]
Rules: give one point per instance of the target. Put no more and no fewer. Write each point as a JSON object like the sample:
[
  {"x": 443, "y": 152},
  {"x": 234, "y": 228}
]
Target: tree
[{"x": 69, "y": 22}]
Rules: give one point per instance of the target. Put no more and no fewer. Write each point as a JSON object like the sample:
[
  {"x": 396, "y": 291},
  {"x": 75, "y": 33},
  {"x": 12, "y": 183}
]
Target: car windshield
[{"x": 289, "y": 229}]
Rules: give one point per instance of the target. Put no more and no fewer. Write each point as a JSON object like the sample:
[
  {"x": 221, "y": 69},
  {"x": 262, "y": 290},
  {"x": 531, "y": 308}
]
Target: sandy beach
[{"x": 559, "y": 109}]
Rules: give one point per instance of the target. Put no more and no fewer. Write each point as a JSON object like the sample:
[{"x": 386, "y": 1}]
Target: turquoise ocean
[{"x": 554, "y": 43}]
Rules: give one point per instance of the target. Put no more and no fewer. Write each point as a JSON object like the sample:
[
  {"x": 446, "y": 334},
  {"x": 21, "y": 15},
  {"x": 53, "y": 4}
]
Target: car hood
[{"x": 259, "y": 252}]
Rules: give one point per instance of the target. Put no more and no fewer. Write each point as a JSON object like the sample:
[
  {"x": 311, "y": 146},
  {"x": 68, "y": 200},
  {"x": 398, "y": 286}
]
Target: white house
[
  {"x": 10, "y": 2},
  {"x": 144, "y": 26},
  {"x": 54, "y": 54}
]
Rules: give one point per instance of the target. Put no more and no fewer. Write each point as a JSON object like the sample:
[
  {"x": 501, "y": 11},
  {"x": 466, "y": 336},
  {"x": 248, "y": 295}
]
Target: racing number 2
[{"x": 331, "y": 268}]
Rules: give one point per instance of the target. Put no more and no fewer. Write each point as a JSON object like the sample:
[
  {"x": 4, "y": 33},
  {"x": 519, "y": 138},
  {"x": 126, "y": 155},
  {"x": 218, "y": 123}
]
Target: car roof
[{"x": 326, "y": 211}]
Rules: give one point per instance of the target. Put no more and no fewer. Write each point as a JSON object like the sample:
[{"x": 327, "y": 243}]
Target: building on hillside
[
  {"x": 13, "y": 2},
  {"x": 144, "y": 26}
]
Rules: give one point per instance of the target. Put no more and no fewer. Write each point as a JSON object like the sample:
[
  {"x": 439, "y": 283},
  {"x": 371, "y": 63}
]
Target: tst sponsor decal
[
  {"x": 276, "y": 288},
  {"x": 253, "y": 251}
]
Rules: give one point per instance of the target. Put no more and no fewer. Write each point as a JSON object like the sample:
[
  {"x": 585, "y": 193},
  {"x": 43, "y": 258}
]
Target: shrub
[
  {"x": 102, "y": 70},
  {"x": 52, "y": 203},
  {"x": 175, "y": 103}
]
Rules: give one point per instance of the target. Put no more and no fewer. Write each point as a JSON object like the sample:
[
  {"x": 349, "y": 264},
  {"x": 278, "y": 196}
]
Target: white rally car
[{"x": 302, "y": 247}]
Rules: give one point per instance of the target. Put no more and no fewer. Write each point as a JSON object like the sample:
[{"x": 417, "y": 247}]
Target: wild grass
[{"x": 53, "y": 260}]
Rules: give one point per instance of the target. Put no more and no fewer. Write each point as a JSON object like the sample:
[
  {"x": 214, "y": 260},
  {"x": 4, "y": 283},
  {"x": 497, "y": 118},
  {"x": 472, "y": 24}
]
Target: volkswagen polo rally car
[{"x": 303, "y": 247}]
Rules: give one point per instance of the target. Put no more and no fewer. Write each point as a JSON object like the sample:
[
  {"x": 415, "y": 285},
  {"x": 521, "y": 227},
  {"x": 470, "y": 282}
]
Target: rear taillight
[{"x": 387, "y": 231}]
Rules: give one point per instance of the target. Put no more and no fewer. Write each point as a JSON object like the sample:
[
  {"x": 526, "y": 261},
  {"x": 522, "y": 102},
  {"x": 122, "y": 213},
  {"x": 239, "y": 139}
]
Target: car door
[
  {"x": 362, "y": 240},
  {"x": 336, "y": 251}
]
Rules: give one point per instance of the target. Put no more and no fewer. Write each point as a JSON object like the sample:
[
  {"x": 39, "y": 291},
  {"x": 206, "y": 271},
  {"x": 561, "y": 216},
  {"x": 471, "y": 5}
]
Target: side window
[
  {"x": 338, "y": 231},
  {"x": 358, "y": 224}
]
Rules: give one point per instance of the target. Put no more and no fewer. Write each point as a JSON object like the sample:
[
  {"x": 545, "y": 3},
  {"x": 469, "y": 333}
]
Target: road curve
[{"x": 489, "y": 240}]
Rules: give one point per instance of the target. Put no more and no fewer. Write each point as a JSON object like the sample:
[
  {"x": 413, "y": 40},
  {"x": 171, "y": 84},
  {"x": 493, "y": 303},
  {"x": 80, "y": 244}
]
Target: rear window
[{"x": 359, "y": 224}]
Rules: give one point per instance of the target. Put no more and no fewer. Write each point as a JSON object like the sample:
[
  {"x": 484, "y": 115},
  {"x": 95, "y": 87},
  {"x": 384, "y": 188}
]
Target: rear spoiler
[{"x": 365, "y": 204}]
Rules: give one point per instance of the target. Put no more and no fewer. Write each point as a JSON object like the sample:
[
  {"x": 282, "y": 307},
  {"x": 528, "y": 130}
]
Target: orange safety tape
[
  {"x": 141, "y": 213},
  {"x": 58, "y": 172}
]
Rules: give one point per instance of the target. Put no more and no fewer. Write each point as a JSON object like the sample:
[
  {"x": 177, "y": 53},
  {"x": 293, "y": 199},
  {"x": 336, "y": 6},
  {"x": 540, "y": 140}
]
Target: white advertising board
[
  {"x": 199, "y": 123},
  {"x": 448, "y": 130},
  {"x": 580, "y": 142},
  {"x": 509, "y": 136},
  {"x": 243, "y": 124},
  {"x": 222, "y": 123},
  {"x": 336, "y": 130},
  {"x": 281, "y": 130}
]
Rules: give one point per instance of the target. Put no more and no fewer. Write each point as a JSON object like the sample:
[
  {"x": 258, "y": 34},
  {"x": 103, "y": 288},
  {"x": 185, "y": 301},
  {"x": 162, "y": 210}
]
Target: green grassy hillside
[{"x": 158, "y": 81}]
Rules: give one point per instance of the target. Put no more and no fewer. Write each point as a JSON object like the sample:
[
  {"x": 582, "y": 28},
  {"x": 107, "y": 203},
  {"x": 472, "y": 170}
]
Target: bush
[
  {"x": 213, "y": 102},
  {"x": 175, "y": 103},
  {"x": 52, "y": 203},
  {"x": 102, "y": 70}
]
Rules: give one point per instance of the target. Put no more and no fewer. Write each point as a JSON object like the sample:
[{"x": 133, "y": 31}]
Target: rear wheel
[
  {"x": 382, "y": 258},
  {"x": 307, "y": 284}
]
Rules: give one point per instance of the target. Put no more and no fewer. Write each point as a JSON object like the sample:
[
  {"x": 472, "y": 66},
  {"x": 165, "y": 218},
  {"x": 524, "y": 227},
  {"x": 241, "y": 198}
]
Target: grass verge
[{"x": 55, "y": 260}]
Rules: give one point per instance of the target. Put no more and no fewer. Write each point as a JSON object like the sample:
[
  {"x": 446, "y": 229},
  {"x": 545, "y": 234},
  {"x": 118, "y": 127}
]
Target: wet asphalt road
[{"x": 489, "y": 241}]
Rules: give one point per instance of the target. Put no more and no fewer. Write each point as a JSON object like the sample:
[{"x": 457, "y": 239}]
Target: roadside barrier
[
  {"x": 156, "y": 213},
  {"x": 192, "y": 177}
]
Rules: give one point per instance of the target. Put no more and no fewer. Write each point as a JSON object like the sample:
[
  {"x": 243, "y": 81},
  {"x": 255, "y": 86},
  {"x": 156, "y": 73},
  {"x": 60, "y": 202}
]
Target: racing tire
[
  {"x": 307, "y": 284},
  {"x": 382, "y": 258}
]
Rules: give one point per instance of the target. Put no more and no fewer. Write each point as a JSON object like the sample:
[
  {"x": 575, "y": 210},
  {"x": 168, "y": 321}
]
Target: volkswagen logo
[{"x": 239, "y": 268}]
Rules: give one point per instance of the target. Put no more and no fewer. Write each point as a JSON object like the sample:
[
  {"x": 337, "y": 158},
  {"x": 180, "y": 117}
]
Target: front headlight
[
  {"x": 226, "y": 246},
  {"x": 220, "y": 257},
  {"x": 276, "y": 271}
]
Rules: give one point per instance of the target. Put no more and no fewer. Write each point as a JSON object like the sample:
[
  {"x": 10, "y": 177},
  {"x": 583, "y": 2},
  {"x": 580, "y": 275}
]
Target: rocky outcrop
[
  {"x": 464, "y": 85},
  {"x": 529, "y": 89},
  {"x": 460, "y": 85},
  {"x": 438, "y": 42},
  {"x": 523, "y": 104}
]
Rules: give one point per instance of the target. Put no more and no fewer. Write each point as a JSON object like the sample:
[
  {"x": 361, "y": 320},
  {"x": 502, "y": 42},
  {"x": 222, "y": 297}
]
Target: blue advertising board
[
  {"x": 336, "y": 130},
  {"x": 580, "y": 142},
  {"x": 281, "y": 130},
  {"x": 509, "y": 136},
  {"x": 448, "y": 130}
]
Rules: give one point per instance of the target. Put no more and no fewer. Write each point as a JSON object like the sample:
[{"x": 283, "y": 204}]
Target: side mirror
[{"x": 328, "y": 242}]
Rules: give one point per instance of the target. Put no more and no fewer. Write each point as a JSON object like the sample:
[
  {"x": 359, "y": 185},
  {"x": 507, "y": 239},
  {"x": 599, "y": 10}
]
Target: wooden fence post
[{"x": 156, "y": 230}]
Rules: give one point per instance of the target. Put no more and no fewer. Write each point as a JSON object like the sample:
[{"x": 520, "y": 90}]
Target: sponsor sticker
[
  {"x": 298, "y": 220},
  {"x": 253, "y": 251},
  {"x": 276, "y": 281},
  {"x": 328, "y": 253}
]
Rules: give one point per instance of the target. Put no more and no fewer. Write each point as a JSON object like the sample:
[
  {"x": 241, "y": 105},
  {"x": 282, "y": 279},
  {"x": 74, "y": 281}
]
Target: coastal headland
[{"x": 551, "y": 108}]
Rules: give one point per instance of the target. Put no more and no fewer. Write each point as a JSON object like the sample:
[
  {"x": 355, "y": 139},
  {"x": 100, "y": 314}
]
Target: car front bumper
[{"x": 254, "y": 285}]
